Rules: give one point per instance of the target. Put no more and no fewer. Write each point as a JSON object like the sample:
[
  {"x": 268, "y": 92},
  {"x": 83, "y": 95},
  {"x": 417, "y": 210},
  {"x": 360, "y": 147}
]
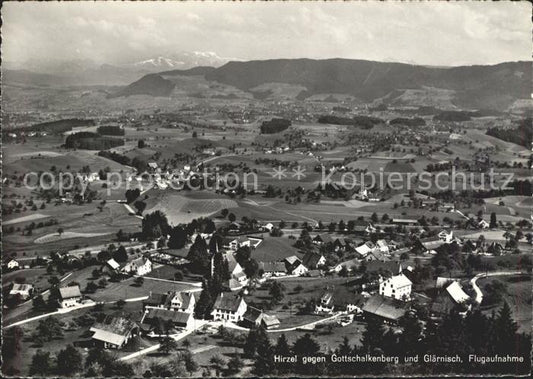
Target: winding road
[{"x": 473, "y": 281}]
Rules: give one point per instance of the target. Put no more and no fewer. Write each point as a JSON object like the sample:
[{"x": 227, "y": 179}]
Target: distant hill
[
  {"x": 496, "y": 86},
  {"x": 151, "y": 84}
]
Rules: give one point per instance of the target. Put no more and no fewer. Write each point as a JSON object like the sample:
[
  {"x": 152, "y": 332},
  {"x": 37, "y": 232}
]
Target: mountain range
[
  {"x": 470, "y": 87},
  {"x": 473, "y": 87}
]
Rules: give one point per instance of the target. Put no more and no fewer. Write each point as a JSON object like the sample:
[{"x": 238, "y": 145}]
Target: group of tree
[
  {"x": 275, "y": 125},
  {"x": 91, "y": 141}
]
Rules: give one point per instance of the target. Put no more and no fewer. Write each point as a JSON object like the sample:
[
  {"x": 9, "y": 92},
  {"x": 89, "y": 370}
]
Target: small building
[
  {"x": 140, "y": 266},
  {"x": 111, "y": 266},
  {"x": 23, "y": 290},
  {"x": 312, "y": 260},
  {"x": 13, "y": 265},
  {"x": 273, "y": 269},
  {"x": 268, "y": 227},
  {"x": 325, "y": 305},
  {"x": 69, "y": 296},
  {"x": 114, "y": 332},
  {"x": 446, "y": 236},
  {"x": 456, "y": 293},
  {"x": 229, "y": 307},
  {"x": 483, "y": 224},
  {"x": 398, "y": 287},
  {"x": 404, "y": 221},
  {"x": 382, "y": 246},
  {"x": 299, "y": 270},
  {"x": 254, "y": 317}
]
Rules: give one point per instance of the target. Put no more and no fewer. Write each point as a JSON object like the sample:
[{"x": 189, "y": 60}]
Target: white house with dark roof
[
  {"x": 398, "y": 287},
  {"x": 140, "y": 266},
  {"x": 69, "y": 296},
  {"x": 181, "y": 301},
  {"x": 273, "y": 269},
  {"x": 12, "y": 265},
  {"x": 229, "y": 307},
  {"x": 299, "y": 270}
]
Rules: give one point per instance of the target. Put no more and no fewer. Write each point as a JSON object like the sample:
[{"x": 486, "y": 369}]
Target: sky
[{"x": 428, "y": 33}]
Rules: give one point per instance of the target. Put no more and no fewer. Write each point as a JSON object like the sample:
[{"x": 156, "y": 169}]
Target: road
[{"x": 473, "y": 281}]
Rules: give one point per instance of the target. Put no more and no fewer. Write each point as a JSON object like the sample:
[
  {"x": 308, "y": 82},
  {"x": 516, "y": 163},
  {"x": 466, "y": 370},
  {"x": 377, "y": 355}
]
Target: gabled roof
[
  {"x": 227, "y": 302},
  {"x": 383, "y": 307},
  {"x": 399, "y": 281},
  {"x": 292, "y": 260},
  {"x": 113, "y": 264},
  {"x": 113, "y": 330},
  {"x": 184, "y": 297},
  {"x": 457, "y": 293},
  {"x": 156, "y": 299},
  {"x": 165, "y": 314},
  {"x": 69, "y": 292},
  {"x": 252, "y": 314},
  {"x": 324, "y": 237},
  {"x": 272, "y": 266},
  {"x": 270, "y": 321},
  {"x": 311, "y": 259},
  {"x": 22, "y": 287}
]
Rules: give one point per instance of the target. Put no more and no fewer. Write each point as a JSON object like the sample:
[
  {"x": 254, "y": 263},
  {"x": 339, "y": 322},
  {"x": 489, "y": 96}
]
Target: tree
[
  {"x": 120, "y": 304},
  {"x": 141, "y": 206},
  {"x": 120, "y": 255},
  {"x": 493, "y": 222},
  {"x": 139, "y": 281},
  {"x": 218, "y": 363},
  {"x": 60, "y": 231},
  {"x": 167, "y": 344},
  {"x": 96, "y": 273},
  {"x": 283, "y": 349},
  {"x": 373, "y": 335},
  {"x": 69, "y": 361},
  {"x": 38, "y": 302},
  {"x": 232, "y": 217},
  {"x": 235, "y": 364},
  {"x": 204, "y": 304},
  {"x": 41, "y": 364},
  {"x": 264, "y": 359},
  {"x": 276, "y": 291},
  {"x": 140, "y": 144},
  {"x": 91, "y": 287},
  {"x": 178, "y": 238},
  {"x": 504, "y": 330}
]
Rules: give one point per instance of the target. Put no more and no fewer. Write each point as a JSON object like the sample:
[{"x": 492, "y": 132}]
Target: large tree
[{"x": 69, "y": 361}]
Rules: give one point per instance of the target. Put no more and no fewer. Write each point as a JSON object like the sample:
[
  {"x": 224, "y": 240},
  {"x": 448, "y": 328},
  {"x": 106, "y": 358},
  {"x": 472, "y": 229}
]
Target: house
[
  {"x": 273, "y": 269},
  {"x": 69, "y": 296},
  {"x": 140, "y": 266},
  {"x": 299, "y": 270},
  {"x": 242, "y": 241},
  {"x": 180, "y": 302},
  {"x": 382, "y": 246},
  {"x": 13, "y": 265},
  {"x": 111, "y": 266},
  {"x": 350, "y": 266},
  {"x": 238, "y": 278},
  {"x": 385, "y": 309},
  {"x": 312, "y": 260},
  {"x": 229, "y": 307},
  {"x": 268, "y": 227},
  {"x": 155, "y": 300},
  {"x": 342, "y": 244},
  {"x": 376, "y": 255},
  {"x": 292, "y": 262},
  {"x": 178, "y": 319},
  {"x": 483, "y": 224},
  {"x": 456, "y": 293},
  {"x": 255, "y": 318},
  {"x": 114, "y": 332},
  {"x": 398, "y": 287},
  {"x": 370, "y": 229},
  {"x": 23, "y": 290},
  {"x": 365, "y": 249},
  {"x": 446, "y": 236},
  {"x": 325, "y": 305},
  {"x": 322, "y": 239}
]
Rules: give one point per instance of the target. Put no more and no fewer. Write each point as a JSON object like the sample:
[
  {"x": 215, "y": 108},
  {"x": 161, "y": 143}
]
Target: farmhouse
[
  {"x": 238, "y": 278},
  {"x": 299, "y": 270},
  {"x": 322, "y": 238},
  {"x": 385, "y": 309},
  {"x": 397, "y": 287},
  {"x": 255, "y": 318},
  {"x": 456, "y": 293},
  {"x": 365, "y": 249},
  {"x": 292, "y": 262},
  {"x": 111, "y": 266},
  {"x": 69, "y": 296},
  {"x": 446, "y": 236},
  {"x": 23, "y": 290},
  {"x": 140, "y": 266},
  {"x": 181, "y": 301},
  {"x": 404, "y": 221},
  {"x": 229, "y": 307},
  {"x": 242, "y": 241},
  {"x": 114, "y": 332},
  {"x": 272, "y": 269},
  {"x": 313, "y": 260},
  {"x": 155, "y": 300},
  {"x": 12, "y": 265},
  {"x": 325, "y": 305},
  {"x": 178, "y": 319}
]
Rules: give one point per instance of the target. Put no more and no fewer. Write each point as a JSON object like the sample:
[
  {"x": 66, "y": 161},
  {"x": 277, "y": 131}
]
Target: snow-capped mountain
[{"x": 182, "y": 61}]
